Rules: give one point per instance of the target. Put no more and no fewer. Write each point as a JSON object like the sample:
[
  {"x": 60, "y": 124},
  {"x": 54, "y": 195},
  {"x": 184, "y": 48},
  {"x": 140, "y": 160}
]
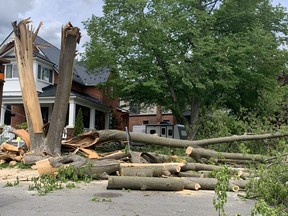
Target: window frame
[
  {"x": 13, "y": 72},
  {"x": 41, "y": 70}
]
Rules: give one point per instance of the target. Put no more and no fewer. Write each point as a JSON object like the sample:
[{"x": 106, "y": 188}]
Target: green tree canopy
[{"x": 191, "y": 54}]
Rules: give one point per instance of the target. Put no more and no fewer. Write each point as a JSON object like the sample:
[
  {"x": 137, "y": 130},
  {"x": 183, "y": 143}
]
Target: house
[
  {"x": 100, "y": 110},
  {"x": 147, "y": 115}
]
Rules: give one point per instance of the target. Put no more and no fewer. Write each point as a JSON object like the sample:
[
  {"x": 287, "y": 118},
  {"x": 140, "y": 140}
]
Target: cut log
[
  {"x": 95, "y": 168},
  {"x": 147, "y": 171},
  {"x": 191, "y": 174},
  {"x": 145, "y": 183},
  {"x": 171, "y": 167},
  {"x": 210, "y": 183},
  {"x": 191, "y": 185},
  {"x": 115, "y": 155},
  {"x": 44, "y": 167},
  {"x": 31, "y": 159},
  {"x": 209, "y": 167},
  {"x": 8, "y": 147},
  {"x": 199, "y": 153}
]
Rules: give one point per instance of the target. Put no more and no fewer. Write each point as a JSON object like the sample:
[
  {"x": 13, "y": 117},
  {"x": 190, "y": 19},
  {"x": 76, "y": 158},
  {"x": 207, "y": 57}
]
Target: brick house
[{"x": 100, "y": 110}]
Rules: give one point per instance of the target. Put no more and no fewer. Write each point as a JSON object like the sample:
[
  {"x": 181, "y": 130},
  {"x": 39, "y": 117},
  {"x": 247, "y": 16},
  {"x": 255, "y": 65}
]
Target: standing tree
[
  {"x": 24, "y": 38},
  {"x": 191, "y": 55}
]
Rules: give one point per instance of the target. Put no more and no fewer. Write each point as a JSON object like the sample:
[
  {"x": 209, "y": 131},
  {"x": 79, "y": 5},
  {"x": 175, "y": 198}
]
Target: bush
[{"x": 79, "y": 125}]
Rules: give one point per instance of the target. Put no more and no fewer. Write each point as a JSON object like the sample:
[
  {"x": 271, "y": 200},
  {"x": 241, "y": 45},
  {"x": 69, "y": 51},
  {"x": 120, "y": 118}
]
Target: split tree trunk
[
  {"x": 70, "y": 36},
  {"x": 24, "y": 56}
]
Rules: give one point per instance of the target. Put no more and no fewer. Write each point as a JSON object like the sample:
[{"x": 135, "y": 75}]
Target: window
[
  {"x": 11, "y": 71},
  {"x": 163, "y": 131},
  {"x": 44, "y": 74},
  {"x": 145, "y": 122}
]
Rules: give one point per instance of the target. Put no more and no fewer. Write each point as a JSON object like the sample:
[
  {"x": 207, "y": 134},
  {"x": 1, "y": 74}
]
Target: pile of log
[{"x": 146, "y": 170}]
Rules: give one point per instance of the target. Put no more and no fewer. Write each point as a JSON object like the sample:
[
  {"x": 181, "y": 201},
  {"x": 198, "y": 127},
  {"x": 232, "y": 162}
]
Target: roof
[
  {"x": 81, "y": 75},
  {"x": 50, "y": 91},
  {"x": 48, "y": 52}
]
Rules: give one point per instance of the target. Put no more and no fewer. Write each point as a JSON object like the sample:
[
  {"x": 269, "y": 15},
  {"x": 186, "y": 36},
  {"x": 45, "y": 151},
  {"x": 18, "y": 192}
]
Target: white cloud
[{"x": 53, "y": 13}]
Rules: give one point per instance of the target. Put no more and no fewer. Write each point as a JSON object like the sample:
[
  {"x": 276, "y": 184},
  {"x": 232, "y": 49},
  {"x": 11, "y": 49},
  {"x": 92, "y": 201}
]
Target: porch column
[
  {"x": 107, "y": 120},
  {"x": 92, "y": 119},
  {"x": 3, "y": 109},
  {"x": 72, "y": 113}
]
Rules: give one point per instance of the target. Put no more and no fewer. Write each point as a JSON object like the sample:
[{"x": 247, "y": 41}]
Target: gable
[{"x": 48, "y": 52}]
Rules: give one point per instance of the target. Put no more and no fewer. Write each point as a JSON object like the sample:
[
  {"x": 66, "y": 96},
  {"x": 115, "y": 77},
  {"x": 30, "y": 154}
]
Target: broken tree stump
[{"x": 145, "y": 183}]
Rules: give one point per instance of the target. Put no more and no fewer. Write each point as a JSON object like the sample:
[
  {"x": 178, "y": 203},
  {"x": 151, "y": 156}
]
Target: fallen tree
[{"x": 104, "y": 136}]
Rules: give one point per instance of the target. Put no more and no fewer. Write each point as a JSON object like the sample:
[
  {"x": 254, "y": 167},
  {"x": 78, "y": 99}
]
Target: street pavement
[{"x": 94, "y": 199}]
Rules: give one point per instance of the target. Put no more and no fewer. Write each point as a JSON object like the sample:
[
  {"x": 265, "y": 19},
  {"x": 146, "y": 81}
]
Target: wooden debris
[
  {"x": 96, "y": 168},
  {"x": 145, "y": 183},
  {"x": 24, "y": 135}
]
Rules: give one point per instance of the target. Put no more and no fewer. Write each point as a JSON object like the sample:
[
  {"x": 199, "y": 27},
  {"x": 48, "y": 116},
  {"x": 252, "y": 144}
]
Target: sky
[{"x": 54, "y": 14}]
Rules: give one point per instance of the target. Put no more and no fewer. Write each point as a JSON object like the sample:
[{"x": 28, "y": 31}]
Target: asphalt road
[{"x": 93, "y": 199}]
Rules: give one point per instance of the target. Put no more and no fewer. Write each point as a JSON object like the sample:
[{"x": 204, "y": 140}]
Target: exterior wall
[
  {"x": 19, "y": 115},
  {"x": 12, "y": 85},
  {"x": 149, "y": 119},
  {"x": 94, "y": 92}
]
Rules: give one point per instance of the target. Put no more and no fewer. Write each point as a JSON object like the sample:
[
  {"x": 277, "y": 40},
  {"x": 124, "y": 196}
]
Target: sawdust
[{"x": 11, "y": 174}]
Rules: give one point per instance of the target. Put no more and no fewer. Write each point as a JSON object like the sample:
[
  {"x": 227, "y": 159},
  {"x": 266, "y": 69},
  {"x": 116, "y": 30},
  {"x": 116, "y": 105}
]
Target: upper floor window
[
  {"x": 11, "y": 71},
  {"x": 44, "y": 74}
]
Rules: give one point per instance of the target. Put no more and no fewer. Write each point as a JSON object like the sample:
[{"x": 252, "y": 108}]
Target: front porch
[{"x": 95, "y": 114}]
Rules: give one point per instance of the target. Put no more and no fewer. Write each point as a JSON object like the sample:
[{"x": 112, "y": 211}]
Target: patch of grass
[
  {"x": 98, "y": 199},
  {"x": 4, "y": 165},
  {"x": 12, "y": 184},
  {"x": 45, "y": 184}
]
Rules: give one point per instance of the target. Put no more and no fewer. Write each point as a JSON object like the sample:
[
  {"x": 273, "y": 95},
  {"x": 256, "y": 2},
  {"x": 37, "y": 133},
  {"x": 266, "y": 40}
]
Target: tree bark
[
  {"x": 70, "y": 36},
  {"x": 191, "y": 185},
  {"x": 145, "y": 183},
  {"x": 171, "y": 167},
  {"x": 210, "y": 183},
  {"x": 209, "y": 167},
  {"x": 199, "y": 153},
  {"x": 142, "y": 171},
  {"x": 95, "y": 168},
  {"x": 117, "y": 135}
]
